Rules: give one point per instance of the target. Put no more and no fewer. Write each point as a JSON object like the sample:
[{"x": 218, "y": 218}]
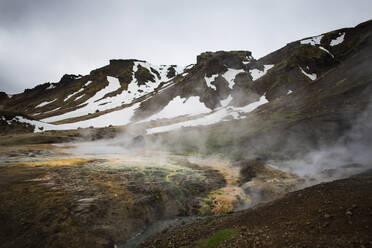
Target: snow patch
[
  {"x": 71, "y": 95},
  {"x": 178, "y": 69},
  {"x": 45, "y": 103},
  {"x": 221, "y": 114},
  {"x": 181, "y": 106},
  {"x": 115, "y": 118},
  {"x": 91, "y": 104},
  {"x": 189, "y": 66},
  {"x": 51, "y": 110},
  {"x": 51, "y": 86},
  {"x": 313, "y": 40},
  {"x": 166, "y": 86},
  {"x": 230, "y": 75},
  {"x": 39, "y": 126},
  {"x": 248, "y": 60},
  {"x": 226, "y": 101},
  {"x": 209, "y": 81},
  {"x": 322, "y": 48},
  {"x": 256, "y": 73},
  {"x": 210, "y": 119},
  {"x": 77, "y": 98},
  {"x": 134, "y": 91},
  {"x": 338, "y": 40},
  {"x": 252, "y": 106},
  {"x": 312, "y": 76}
]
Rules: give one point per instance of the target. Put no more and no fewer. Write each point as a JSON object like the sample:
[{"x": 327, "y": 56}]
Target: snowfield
[
  {"x": 115, "y": 118},
  {"x": 222, "y": 114},
  {"x": 100, "y": 103},
  {"x": 91, "y": 105},
  {"x": 179, "y": 107}
]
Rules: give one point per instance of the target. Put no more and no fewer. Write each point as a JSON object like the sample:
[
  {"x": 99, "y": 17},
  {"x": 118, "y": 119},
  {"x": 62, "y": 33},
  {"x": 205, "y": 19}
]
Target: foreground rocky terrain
[{"x": 335, "y": 214}]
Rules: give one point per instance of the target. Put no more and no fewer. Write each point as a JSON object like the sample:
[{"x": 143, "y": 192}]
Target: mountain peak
[
  {"x": 124, "y": 61},
  {"x": 229, "y": 58}
]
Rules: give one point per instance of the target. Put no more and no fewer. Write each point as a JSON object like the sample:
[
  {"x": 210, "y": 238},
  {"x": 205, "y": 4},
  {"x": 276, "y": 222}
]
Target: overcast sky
[{"x": 40, "y": 40}]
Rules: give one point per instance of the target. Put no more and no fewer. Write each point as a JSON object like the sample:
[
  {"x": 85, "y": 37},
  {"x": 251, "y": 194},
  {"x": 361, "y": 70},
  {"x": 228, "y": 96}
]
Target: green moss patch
[{"x": 218, "y": 238}]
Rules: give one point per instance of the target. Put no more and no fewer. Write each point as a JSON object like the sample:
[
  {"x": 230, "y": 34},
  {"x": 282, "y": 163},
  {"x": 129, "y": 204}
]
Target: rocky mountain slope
[
  {"x": 302, "y": 97},
  {"x": 105, "y": 89},
  {"x": 221, "y": 86}
]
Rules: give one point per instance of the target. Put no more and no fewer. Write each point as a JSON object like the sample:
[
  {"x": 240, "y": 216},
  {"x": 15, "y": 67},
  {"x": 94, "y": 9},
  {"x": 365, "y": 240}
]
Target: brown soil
[{"x": 335, "y": 214}]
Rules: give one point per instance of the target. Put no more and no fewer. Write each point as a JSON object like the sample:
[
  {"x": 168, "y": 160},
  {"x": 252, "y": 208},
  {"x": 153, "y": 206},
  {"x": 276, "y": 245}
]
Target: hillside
[{"x": 314, "y": 115}]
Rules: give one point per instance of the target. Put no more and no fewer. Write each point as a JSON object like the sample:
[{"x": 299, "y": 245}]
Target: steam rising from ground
[{"x": 350, "y": 155}]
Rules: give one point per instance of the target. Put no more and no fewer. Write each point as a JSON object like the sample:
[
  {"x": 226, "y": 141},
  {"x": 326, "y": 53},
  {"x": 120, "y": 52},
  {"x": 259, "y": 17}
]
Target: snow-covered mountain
[{"x": 221, "y": 86}]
